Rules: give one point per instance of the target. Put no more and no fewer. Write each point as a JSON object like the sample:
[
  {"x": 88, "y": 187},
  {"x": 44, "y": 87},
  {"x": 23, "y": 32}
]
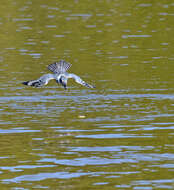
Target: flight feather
[{"x": 59, "y": 67}]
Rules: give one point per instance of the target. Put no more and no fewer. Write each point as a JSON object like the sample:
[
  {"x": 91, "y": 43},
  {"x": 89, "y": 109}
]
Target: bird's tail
[{"x": 59, "y": 67}]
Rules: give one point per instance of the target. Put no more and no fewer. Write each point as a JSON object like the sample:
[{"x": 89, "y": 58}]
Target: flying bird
[{"x": 59, "y": 74}]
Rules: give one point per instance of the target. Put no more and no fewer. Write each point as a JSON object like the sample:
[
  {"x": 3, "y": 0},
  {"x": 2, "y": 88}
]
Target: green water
[{"x": 117, "y": 136}]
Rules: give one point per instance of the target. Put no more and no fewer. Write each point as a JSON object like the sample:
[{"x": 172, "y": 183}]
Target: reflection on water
[{"x": 117, "y": 136}]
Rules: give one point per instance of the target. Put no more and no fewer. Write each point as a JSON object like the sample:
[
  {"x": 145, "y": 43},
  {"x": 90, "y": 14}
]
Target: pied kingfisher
[{"x": 59, "y": 74}]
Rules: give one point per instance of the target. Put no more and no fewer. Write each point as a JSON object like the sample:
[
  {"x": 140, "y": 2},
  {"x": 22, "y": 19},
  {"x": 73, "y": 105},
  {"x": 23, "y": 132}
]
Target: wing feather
[
  {"x": 59, "y": 67},
  {"x": 80, "y": 81}
]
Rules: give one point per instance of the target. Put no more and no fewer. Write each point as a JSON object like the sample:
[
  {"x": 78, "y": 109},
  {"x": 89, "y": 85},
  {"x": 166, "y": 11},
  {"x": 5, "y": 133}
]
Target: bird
[{"x": 60, "y": 74}]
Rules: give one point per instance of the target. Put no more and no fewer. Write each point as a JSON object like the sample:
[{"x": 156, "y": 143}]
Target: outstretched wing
[
  {"x": 80, "y": 81},
  {"x": 43, "y": 80},
  {"x": 35, "y": 83},
  {"x": 59, "y": 67}
]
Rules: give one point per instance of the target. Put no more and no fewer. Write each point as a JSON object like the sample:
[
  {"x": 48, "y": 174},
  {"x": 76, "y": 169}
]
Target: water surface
[{"x": 117, "y": 136}]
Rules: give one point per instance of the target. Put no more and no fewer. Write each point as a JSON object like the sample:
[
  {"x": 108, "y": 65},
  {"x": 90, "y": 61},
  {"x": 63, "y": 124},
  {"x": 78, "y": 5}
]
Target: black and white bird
[{"x": 59, "y": 74}]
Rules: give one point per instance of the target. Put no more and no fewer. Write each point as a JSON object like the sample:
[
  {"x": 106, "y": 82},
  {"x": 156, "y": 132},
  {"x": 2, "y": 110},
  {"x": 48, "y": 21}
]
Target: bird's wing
[
  {"x": 59, "y": 67},
  {"x": 80, "y": 81},
  {"x": 43, "y": 80},
  {"x": 35, "y": 83}
]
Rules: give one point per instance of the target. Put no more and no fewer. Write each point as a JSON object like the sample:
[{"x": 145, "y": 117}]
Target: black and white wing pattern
[
  {"x": 80, "y": 81},
  {"x": 43, "y": 80},
  {"x": 35, "y": 83},
  {"x": 59, "y": 67}
]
